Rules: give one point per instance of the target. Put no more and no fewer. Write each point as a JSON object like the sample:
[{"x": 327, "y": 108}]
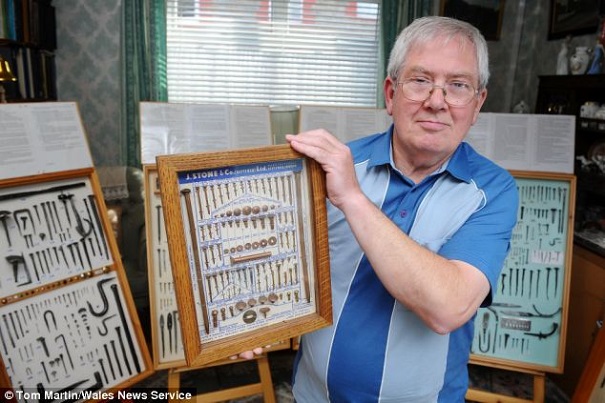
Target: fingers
[
  {"x": 248, "y": 355},
  {"x": 318, "y": 144}
]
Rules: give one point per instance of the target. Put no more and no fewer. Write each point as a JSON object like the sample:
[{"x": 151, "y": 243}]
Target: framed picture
[
  {"x": 486, "y": 15},
  {"x": 247, "y": 236},
  {"x": 69, "y": 320},
  {"x": 578, "y": 17},
  {"x": 166, "y": 335},
  {"x": 525, "y": 326}
]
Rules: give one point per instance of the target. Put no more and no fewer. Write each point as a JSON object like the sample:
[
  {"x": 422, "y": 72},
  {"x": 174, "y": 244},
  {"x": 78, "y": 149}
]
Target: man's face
[{"x": 427, "y": 132}]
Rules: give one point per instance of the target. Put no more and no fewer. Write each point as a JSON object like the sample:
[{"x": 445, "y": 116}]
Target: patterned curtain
[
  {"x": 143, "y": 55},
  {"x": 396, "y": 15}
]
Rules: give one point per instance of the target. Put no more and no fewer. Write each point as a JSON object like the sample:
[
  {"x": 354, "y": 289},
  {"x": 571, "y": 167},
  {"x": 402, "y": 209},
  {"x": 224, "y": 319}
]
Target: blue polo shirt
[{"x": 377, "y": 350}]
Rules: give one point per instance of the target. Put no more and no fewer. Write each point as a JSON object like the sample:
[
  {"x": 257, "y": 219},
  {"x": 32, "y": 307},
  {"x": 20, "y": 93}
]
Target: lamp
[{"x": 5, "y": 75}]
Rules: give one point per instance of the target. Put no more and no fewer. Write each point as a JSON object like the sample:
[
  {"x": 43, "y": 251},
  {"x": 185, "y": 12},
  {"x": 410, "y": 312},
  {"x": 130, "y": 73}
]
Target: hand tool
[
  {"x": 543, "y": 335},
  {"x": 42, "y": 341},
  {"x": 51, "y": 215},
  {"x": 133, "y": 352},
  {"x": 63, "y": 198},
  {"x": 169, "y": 326},
  {"x": 79, "y": 220},
  {"x": 105, "y": 306},
  {"x": 62, "y": 337},
  {"x": 113, "y": 373},
  {"x": 196, "y": 257},
  {"x": 162, "y": 335},
  {"x": 83, "y": 241},
  {"x": 547, "y": 280},
  {"x": 47, "y": 221},
  {"x": 115, "y": 355},
  {"x": 176, "y": 329},
  {"x": 10, "y": 336},
  {"x": 97, "y": 227},
  {"x": 4, "y": 214},
  {"x": 103, "y": 369},
  {"x": 15, "y": 261},
  {"x": 123, "y": 349},
  {"x": 159, "y": 219},
  {"x": 103, "y": 330},
  {"x": 3, "y": 341},
  {"x": 483, "y": 336}
]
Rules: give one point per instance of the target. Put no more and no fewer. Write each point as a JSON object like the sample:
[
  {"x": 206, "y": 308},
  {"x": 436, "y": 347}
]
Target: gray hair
[{"x": 425, "y": 29}]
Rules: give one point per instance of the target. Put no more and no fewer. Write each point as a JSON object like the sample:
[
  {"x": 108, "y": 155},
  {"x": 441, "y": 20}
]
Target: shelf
[{"x": 593, "y": 125}]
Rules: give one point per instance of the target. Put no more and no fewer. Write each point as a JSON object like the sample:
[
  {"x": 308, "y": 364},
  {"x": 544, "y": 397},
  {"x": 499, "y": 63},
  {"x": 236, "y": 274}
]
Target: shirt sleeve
[{"x": 483, "y": 241}]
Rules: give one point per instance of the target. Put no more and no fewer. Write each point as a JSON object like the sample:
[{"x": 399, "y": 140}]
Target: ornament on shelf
[
  {"x": 578, "y": 63},
  {"x": 521, "y": 107},
  {"x": 563, "y": 58},
  {"x": 596, "y": 65}
]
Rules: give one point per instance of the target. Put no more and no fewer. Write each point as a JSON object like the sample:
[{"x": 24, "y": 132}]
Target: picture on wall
[
  {"x": 577, "y": 17},
  {"x": 486, "y": 15}
]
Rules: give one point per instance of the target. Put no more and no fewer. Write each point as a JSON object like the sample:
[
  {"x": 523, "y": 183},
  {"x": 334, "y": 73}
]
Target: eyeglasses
[{"x": 455, "y": 93}]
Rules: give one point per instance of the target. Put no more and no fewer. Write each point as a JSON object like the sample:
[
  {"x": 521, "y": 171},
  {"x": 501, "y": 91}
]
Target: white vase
[{"x": 579, "y": 60}]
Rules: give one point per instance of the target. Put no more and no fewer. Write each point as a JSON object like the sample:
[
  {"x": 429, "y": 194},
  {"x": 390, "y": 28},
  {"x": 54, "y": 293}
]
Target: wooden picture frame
[
  {"x": 525, "y": 327},
  {"x": 247, "y": 234},
  {"x": 487, "y": 18},
  {"x": 573, "y": 18}
]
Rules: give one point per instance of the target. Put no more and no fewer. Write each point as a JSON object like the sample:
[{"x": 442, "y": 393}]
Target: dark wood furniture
[
  {"x": 28, "y": 41},
  {"x": 566, "y": 95}
]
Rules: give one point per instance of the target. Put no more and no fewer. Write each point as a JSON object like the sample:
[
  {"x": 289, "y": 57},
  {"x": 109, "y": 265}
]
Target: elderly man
[{"x": 419, "y": 226}]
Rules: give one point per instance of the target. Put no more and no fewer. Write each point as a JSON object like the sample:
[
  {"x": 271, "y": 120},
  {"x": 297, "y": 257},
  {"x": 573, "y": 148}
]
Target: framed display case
[
  {"x": 247, "y": 235},
  {"x": 526, "y": 324},
  {"x": 166, "y": 335},
  {"x": 68, "y": 322}
]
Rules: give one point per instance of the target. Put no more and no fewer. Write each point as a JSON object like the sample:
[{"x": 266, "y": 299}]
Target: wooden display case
[
  {"x": 68, "y": 321},
  {"x": 525, "y": 327},
  {"x": 247, "y": 235}
]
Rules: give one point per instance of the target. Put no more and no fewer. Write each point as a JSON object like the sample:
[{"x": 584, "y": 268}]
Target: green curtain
[
  {"x": 143, "y": 52},
  {"x": 396, "y": 15}
]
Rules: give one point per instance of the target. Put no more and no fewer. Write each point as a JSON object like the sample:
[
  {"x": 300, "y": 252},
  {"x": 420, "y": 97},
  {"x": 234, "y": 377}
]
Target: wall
[
  {"x": 523, "y": 54},
  {"x": 88, "y": 71},
  {"x": 88, "y": 64}
]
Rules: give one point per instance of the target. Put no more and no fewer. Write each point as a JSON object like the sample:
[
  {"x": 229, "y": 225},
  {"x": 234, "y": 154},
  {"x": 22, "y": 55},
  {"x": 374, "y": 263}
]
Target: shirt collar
[{"x": 457, "y": 165}]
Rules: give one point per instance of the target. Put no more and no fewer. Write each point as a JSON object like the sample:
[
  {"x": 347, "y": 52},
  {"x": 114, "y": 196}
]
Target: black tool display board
[{"x": 525, "y": 327}]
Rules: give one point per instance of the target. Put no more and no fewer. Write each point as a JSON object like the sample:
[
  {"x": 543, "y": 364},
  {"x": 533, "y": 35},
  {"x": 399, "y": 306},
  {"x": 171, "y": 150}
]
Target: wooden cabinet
[
  {"x": 586, "y": 307},
  {"x": 27, "y": 42},
  {"x": 566, "y": 95}
]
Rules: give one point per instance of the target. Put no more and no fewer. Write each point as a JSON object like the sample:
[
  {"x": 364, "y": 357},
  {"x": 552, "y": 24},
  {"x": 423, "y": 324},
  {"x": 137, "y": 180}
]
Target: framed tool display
[
  {"x": 168, "y": 351},
  {"x": 68, "y": 325},
  {"x": 247, "y": 235},
  {"x": 526, "y": 324},
  {"x": 166, "y": 335}
]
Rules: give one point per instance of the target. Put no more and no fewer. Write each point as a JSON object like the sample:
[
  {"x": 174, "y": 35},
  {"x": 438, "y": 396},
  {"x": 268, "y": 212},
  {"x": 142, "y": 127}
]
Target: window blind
[{"x": 273, "y": 51}]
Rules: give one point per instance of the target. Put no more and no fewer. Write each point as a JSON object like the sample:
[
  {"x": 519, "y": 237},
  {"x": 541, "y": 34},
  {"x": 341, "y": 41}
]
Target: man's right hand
[{"x": 336, "y": 160}]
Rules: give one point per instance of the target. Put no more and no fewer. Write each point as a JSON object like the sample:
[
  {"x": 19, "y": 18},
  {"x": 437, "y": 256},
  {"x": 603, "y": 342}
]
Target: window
[{"x": 273, "y": 51}]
